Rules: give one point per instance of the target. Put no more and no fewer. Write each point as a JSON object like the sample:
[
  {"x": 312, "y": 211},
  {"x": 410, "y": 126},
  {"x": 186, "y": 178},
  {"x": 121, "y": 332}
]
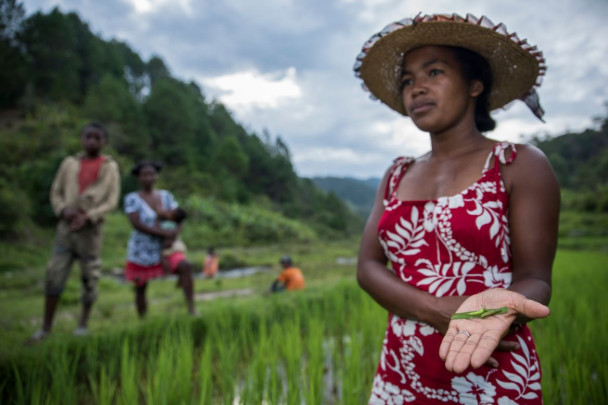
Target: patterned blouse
[{"x": 145, "y": 249}]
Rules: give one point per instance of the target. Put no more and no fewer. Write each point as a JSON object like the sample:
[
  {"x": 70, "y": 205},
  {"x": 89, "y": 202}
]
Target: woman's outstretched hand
[{"x": 471, "y": 342}]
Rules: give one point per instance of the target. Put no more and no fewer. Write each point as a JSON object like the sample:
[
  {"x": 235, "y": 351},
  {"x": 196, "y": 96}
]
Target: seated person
[
  {"x": 291, "y": 277},
  {"x": 211, "y": 263},
  {"x": 171, "y": 220}
]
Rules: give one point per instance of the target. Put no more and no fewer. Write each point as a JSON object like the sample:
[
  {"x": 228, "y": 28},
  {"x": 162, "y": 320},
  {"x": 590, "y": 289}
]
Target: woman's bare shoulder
[{"x": 530, "y": 166}]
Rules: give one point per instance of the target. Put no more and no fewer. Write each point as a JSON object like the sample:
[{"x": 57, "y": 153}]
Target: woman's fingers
[
  {"x": 444, "y": 348},
  {"x": 531, "y": 308},
  {"x": 471, "y": 343},
  {"x": 507, "y": 346},
  {"x": 492, "y": 362},
  {"x": 473, "y": 351},
  {"x": 481, "y": 352}
]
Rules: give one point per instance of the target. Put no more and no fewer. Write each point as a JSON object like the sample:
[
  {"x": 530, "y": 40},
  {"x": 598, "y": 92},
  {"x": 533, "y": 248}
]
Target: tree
[
  {"x": 157, "y": 70},
  {"x": 134, "y": 68},
  {"x": 110, "y": 102},
  {"x": 171, "y": 116},
  {"x": 50, "y": 43},
  {"x": 11, "y": 18},
  {"x": 231, "y": 157},
  {"x": 13, "y": 68}
]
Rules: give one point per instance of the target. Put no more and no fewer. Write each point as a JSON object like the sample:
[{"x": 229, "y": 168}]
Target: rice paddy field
[{"x": 317, "y": 346}]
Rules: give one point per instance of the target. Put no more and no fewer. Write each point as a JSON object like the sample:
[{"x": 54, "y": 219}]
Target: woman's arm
[
  {"x": 534, "y": 203},
  {"x": 150, "y": 230},
  {"x": 392, "y": 293}
]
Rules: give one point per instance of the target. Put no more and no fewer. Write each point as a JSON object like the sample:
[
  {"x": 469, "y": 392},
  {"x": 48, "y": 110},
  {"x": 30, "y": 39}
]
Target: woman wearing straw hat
[{"x": 469, "y": 228}]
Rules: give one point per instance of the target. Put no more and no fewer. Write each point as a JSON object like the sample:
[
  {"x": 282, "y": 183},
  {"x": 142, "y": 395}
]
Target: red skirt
[{"x": 141, "y": 274}]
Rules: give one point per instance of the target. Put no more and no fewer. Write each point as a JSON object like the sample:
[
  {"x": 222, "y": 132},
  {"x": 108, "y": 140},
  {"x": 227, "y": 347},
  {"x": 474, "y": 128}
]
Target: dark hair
[
  {"x": 475, "y": 67},
  {"x": 143, "y": 163},
  {"x": 180, "y": 214},
  {"x": 97, "y": 125},
  {"x": 286, "y": 261}
]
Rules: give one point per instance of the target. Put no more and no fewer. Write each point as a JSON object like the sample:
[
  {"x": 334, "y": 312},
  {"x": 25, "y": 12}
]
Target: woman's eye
[
  {"x": 406, "y": 82},
  {"x": 434, "y": 72}
]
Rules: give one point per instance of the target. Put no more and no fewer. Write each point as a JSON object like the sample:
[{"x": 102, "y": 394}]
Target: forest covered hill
[
  {"x": 580, "y": 161},
  {"x": 358, "y": 194},
  {"x": 56, "y": 75}
]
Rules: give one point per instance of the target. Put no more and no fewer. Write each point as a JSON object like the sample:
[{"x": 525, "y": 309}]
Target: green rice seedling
[
  {"x": 129, "y": 390},
  {"x": 103, "y": 391},
  {"x": 37, "y": 396},
  {"x": 157, "y": 379},
  {"x": 205, "y": 371},
  {"x": 255, "y": 377},
  {"x": 29, "y": 381},
  {"x": 274, "y": 391},
  {"x": 182, "y": 347},
  {"x": 254, "y": 351},
  {"x": 170, "y": 371},
  {"x": 61, "y": 368},
  {"x": 291, "y": 349},
  {"x": 20, "y": 386},
  {"x": 371, "y": 319},
  {"x": 250, "y": 392},
  {"x": 573, "y": 362},
  {"x": 351, "y": 371},
  {"x": 313, "y": 374},
  {"x": 227, "y": 352}
]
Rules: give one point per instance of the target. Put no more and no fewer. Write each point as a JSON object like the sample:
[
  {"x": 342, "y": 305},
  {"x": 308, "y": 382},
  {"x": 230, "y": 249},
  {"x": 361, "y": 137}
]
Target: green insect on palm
[{"x": 481, "y": 313}]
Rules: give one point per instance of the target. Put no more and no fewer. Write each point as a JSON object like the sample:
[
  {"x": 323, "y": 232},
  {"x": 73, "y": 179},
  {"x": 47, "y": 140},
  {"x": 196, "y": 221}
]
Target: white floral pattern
[
  {"x": 389, "y": 394},
  {"x": 456, "y": 245},
  {"x": 474, "y": 389}
]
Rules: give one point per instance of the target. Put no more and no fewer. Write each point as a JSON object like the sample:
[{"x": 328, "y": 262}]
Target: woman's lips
[{"x": 421, "y": 107}]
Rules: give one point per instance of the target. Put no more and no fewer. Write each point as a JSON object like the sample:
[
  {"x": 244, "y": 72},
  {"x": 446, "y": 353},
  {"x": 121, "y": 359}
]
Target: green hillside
[
  {"x": 359, "y": 194},
  {"x": 57, "y": 75},
  {"x": 580, "y": 161}
]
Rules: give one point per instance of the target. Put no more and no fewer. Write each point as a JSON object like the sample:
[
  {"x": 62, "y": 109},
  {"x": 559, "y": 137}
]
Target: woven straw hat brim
[{"x": 514, "y": 70}]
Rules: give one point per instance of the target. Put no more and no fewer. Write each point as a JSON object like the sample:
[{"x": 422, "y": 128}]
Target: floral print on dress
[{"x": 454, "y": 245}]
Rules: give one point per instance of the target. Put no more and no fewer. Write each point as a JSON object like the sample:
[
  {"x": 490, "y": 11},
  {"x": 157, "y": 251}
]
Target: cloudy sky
[{"x": 286, "y": 66}]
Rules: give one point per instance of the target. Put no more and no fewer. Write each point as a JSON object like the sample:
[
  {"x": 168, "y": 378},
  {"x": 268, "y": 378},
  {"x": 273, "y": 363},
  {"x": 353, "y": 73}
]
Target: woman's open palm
[{"x": 471, "y": 342}]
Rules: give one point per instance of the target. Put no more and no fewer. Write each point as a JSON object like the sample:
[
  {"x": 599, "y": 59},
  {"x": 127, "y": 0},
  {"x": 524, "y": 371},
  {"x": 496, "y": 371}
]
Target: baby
[{"x": 172, "y": 220}]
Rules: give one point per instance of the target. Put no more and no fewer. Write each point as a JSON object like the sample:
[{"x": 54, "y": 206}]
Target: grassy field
[{"x": 320, "y": 345}]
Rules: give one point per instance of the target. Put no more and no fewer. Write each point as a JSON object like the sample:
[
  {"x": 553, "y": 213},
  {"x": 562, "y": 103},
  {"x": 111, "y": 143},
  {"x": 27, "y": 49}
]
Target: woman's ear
[{"x": 476, "y": 88}]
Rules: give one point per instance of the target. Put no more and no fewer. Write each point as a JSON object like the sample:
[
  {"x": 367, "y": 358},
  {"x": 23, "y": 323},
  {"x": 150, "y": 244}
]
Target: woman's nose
[{"x": 418, "y": 87}]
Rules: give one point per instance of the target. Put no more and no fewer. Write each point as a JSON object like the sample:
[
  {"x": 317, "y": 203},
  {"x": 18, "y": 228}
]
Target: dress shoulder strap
[
  {"x": 503, "y": 153},
  {"x": 396, "y": 172}
]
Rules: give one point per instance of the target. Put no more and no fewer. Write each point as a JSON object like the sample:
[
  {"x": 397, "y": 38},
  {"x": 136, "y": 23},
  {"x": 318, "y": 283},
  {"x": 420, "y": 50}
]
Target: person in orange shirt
[
  {"x": 291, "y": 277},
  {"x": 211, "y": 263}
]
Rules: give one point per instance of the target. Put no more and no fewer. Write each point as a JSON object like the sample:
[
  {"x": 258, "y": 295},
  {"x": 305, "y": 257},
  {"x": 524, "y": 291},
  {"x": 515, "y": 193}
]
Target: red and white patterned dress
[{"x": 456, "y": 245}]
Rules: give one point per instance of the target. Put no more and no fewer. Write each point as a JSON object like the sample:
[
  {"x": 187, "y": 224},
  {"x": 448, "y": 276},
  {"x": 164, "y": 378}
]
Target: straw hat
[{"x": 517, "y": 68}]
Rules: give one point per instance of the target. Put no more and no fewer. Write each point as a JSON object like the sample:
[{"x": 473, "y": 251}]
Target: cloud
[
  {"x": 151, "y": 6},
  {"x": 250, "y": 89},
  {"x": 286, "y": 66}
]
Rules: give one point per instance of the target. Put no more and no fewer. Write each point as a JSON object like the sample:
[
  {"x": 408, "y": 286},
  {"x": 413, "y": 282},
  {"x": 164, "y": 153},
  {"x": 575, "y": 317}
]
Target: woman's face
[
  {"x": 435, "y": 94},
  {"x": 147, "y": 176}
]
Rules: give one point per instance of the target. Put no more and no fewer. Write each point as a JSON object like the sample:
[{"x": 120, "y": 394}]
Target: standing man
[{"x": 85, "y": 188}]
